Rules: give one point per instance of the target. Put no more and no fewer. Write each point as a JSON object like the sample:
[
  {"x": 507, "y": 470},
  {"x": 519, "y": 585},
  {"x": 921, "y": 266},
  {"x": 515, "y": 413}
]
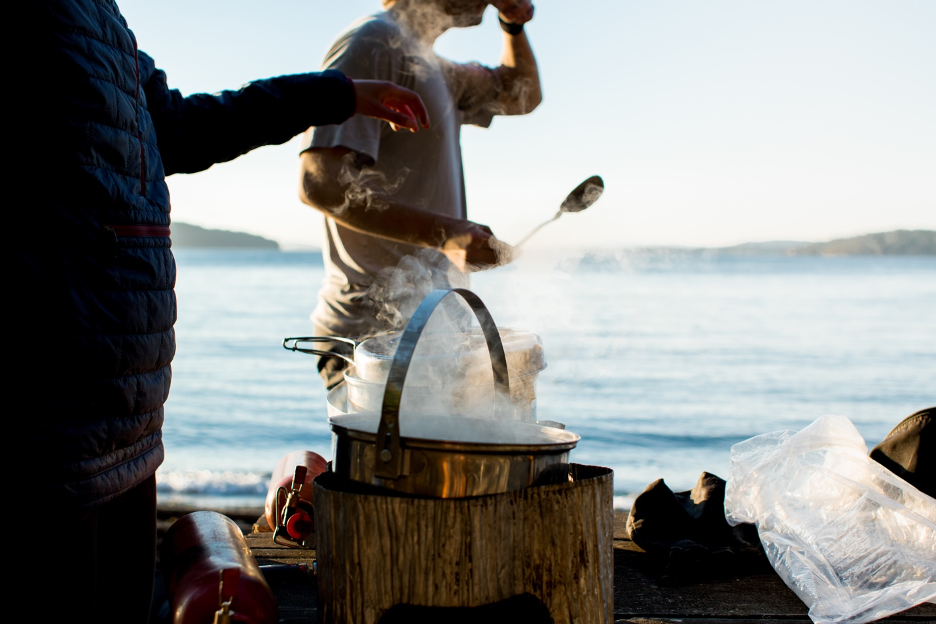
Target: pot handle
[
  {"x": 297, "y": 340},
  {"x": 388, "y": 459}
]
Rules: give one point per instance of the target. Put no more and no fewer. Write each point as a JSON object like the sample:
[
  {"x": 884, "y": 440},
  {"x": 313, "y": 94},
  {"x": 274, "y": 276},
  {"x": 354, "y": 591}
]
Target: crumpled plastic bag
[{"x": 854, "y": 541}]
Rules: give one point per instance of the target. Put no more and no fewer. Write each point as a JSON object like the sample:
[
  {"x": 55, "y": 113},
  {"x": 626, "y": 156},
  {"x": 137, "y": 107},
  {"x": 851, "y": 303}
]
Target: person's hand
[
  {"x": 384, "y": 100},
  {"x": 514, "y": 11},
  {"x": 476, "y": 248}
]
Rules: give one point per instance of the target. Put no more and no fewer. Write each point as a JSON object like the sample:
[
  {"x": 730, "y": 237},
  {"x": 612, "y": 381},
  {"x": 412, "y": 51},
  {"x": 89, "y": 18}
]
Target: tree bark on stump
[{"x": 376, "y": 548}]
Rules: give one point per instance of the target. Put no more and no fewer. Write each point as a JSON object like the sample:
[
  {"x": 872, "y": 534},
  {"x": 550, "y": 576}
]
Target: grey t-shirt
[{"x": 423, "y": 169}]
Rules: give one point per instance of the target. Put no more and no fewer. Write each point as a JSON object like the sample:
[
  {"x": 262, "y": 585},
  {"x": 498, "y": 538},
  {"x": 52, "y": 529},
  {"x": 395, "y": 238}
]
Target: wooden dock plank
[
  {"x": 641, "y": 595},
  {"x": 641, "y": 590}
]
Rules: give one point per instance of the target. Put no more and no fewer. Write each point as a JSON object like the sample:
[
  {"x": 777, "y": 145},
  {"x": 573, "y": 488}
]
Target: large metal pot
[
  {"x": 442, "y": 455},
  {"x": 462, "y": 357}
]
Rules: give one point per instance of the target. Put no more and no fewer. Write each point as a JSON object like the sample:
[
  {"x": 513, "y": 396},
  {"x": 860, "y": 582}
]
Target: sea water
[{"x": 660, "y": 360}]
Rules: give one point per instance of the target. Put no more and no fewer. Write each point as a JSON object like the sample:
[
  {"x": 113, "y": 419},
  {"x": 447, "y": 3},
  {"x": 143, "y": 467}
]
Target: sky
[{"x": 712, "y": 123}]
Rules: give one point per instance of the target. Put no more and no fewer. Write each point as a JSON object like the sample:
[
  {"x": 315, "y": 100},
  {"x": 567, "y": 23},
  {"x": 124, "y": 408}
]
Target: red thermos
[
  {"x": 204, "y": 552},
  {"x": 289, "y": 496}
]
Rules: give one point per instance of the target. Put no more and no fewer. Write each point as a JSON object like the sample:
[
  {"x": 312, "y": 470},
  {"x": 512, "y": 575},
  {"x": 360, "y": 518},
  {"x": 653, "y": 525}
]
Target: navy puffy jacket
[{"x": 94, "y": 290}]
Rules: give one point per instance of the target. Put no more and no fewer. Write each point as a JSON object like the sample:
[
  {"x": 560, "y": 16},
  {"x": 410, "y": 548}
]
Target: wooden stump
[{"x": 376, "y": 549}]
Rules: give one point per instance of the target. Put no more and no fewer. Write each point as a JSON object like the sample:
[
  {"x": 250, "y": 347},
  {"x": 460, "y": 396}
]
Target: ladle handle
[
  {"x": 536, "y": 229},
  {"x": 388, "y": 456}
]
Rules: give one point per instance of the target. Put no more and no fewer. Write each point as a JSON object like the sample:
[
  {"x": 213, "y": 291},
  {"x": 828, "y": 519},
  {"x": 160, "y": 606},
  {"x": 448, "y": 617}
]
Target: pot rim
[{"x": 565, "y": 440}]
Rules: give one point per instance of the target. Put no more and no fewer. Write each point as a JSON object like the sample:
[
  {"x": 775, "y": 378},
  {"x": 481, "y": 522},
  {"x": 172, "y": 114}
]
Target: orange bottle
[{"x": 203, "y": 550}]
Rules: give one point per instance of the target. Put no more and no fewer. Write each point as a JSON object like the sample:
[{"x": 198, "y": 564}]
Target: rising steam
[
  {"x": 397, "y": 291},
  {"x": 366, "y": 186}
]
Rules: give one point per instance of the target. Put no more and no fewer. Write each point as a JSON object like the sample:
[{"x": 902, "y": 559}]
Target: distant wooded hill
[
  {"x": 896, "y": 243},
  {"x": 186, "y": 235}
]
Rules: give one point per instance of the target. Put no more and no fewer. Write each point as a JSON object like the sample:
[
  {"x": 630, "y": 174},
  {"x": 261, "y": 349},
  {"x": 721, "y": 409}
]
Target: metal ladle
[{"x": 584, "y": 195}]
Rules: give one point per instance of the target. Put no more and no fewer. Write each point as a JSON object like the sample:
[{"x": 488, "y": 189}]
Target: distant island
[
  {"x": 896, "y": 243},
  {"x": 186, "y": 236}
]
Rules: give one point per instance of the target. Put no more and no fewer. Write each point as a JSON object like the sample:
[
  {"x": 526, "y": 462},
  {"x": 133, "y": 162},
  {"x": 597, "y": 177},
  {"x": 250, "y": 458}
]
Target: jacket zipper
[{"x": 136, "y": 59}]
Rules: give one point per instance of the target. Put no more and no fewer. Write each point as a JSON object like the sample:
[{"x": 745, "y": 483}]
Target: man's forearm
[
  {"x": 332, "y": 181},
  {"x": 333, "y": 184},
  {"x": 395, "y": 221},
  {"x": 465, "y": 243}
]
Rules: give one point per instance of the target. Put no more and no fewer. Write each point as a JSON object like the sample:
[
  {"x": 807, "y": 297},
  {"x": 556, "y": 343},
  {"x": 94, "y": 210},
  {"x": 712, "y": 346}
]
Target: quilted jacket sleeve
[{"x": 200, "y": 130}]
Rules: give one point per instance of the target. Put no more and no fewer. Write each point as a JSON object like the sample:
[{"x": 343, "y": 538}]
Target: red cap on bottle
[{"x": 299, "y": 526}]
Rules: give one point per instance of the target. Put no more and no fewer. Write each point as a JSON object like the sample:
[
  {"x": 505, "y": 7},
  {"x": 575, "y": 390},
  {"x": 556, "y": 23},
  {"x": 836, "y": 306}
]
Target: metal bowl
[
  {"x": 451, "y": 373},
  {"x": 474, "y": 400},
  {"x": 463, "y": 353}
]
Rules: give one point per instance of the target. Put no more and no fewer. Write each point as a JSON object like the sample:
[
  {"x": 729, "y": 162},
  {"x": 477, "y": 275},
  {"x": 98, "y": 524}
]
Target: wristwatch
[{"x": 509, "y": 27}]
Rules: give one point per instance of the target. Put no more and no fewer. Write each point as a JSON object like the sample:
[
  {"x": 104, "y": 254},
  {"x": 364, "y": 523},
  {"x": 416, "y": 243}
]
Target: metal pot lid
[
  {"x": 465, "y": 434},
  {"x": 463, "y": 354}
]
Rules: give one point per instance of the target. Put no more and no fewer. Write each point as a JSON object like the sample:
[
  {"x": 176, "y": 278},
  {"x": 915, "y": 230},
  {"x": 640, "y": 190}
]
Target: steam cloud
[
  {"x": 398, "y": 291},
  {"x": 367, "y": 186},
  {"x": 451, "y": 370},
  {"x": 425, "y": 21},
  {"x": 439, "y": 381}
]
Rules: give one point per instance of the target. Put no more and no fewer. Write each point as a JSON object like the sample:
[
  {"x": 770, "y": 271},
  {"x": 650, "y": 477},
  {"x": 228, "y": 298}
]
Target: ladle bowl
[{"x": 583, "y": 196}]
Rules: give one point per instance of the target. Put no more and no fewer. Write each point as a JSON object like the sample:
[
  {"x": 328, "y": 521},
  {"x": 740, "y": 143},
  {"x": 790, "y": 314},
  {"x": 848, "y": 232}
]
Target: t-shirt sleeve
[
  {"x": 476, "y": 88},
  {"x": 363, "y": 54}
]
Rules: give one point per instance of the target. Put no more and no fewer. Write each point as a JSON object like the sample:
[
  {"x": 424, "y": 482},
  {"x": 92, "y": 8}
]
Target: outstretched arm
[
  {"x": 200, "y": 130},
  {"x": 384, "y": 100},
  {"x": 518, "y": 72},
  {"x": 334, "y": 181}
]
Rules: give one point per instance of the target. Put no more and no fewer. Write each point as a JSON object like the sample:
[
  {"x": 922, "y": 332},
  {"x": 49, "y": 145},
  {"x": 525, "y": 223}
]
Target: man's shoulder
[{"x": 378, "y": 30}]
